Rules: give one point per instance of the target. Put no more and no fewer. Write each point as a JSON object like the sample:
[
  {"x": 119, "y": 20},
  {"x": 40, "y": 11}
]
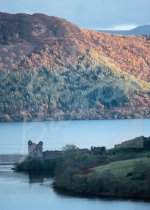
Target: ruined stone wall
[
  {"x": 98, "y": 150},
  {"x": 138, "y": 142},
  {"x": 49, "y": 155}
]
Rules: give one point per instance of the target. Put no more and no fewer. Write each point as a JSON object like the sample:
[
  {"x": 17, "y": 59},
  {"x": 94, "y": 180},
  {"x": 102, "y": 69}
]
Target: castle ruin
[
  {"x": 98, "y": 150},
  {"x": 35, "y": 150},
  {"x": 136, "y": 143}
]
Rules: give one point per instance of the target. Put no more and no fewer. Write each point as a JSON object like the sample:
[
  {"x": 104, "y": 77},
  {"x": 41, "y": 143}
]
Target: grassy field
[
  {"x": 126, "y": 179},
  {"x": 121, "y": 168}
]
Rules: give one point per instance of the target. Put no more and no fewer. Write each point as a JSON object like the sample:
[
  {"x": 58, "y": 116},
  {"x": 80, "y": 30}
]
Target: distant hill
[
  {"x": 11, "y": 158},
  {"x": 51, "y": 69},
  {"x": 141, "y": 30}
]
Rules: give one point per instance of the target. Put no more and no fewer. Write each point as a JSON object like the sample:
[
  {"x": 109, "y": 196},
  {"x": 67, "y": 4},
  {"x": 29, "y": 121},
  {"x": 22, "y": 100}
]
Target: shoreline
[
  {"x": 74, "y": 120},
  {"x": 80, "y": 194}
]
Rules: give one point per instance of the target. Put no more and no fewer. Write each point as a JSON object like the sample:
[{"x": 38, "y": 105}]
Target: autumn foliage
[{"x": 52, "y": 69}]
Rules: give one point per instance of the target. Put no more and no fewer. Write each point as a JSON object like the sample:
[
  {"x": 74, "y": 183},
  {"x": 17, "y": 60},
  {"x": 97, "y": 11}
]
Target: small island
[{"x": 120, "y": 172}]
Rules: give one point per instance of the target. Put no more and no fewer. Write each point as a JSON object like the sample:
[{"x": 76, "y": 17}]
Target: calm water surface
[
  {"x": 14, "y": 136},
  {"x": 18, "y": 192}
]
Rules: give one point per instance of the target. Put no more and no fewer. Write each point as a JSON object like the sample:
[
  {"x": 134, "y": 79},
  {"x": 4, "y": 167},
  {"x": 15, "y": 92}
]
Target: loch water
[
  {"x": 56, "y": 134},
  {"x": 20, "y": 191}
]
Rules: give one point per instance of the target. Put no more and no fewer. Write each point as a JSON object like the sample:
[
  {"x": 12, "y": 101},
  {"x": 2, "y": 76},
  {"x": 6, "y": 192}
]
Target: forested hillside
[
  {"x": 79, "y": 94},
  {"x": 50, "y": 70}
]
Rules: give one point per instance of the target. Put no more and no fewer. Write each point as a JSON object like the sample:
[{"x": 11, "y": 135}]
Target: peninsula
[{"x": 123, "y": 171}]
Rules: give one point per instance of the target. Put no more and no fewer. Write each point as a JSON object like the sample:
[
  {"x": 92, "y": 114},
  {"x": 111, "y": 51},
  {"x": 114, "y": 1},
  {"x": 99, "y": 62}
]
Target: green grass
[{"x": 121, "y": 168}]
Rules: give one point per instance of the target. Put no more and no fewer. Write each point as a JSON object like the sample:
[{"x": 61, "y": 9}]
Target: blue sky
[{"x": 117, "y": 14}]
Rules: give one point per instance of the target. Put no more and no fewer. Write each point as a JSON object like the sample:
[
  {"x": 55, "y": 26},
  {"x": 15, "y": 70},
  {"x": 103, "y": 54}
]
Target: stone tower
[{"x": 35, "y": 150}]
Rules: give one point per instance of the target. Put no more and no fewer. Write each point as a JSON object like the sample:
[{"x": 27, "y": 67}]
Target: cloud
[
  {"x": 120, "y": 27},
  {"x": 124, "y": 27}
]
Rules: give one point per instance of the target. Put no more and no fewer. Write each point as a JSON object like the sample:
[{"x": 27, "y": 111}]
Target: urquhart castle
[{"x": 36, "y": 150}]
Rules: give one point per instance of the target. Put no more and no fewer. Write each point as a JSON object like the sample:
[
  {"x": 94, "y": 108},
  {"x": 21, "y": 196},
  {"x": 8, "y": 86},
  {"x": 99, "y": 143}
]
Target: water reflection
[
  {"x": 35, "y": 179},
  {"x": 38, "y": 178}
]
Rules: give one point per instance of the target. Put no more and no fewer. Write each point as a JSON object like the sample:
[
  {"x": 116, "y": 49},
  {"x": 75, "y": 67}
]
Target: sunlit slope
[{"x": 50, "y": 69}]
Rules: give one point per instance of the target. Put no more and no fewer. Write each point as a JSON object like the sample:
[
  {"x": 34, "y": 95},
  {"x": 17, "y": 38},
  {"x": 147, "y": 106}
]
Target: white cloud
[
  {"x": 124, "y": 27},
  {"x": 120, "y": 27}
]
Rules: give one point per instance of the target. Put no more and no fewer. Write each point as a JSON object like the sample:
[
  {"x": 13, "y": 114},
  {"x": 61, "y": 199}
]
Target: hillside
[
  {"x": 120, "y": 168},
  {"x": 11, "y": 158},
  {"x": 52, "y": 69},
  {"x": 34, "y": 41},
  {"x": 138, "y": 31},
  {"x": 141, "y": 30}
]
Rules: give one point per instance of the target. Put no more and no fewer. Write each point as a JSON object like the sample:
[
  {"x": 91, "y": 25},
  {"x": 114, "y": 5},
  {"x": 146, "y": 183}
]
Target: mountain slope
[
  {"x": 140, "y": 30},
  {"x": 34, "y": 41},
  {"x": 31, "y": 41},
  {"x": 131, "y": 54},
  {"x": 51, "y": 69}
]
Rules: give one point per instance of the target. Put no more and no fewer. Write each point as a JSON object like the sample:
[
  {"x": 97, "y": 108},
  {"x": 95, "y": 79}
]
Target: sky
[{"x": 94, "y": 14}]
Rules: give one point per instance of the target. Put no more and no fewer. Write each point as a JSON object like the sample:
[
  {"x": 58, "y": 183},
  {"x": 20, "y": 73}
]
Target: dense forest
[{"x": 77, "y": 94}]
